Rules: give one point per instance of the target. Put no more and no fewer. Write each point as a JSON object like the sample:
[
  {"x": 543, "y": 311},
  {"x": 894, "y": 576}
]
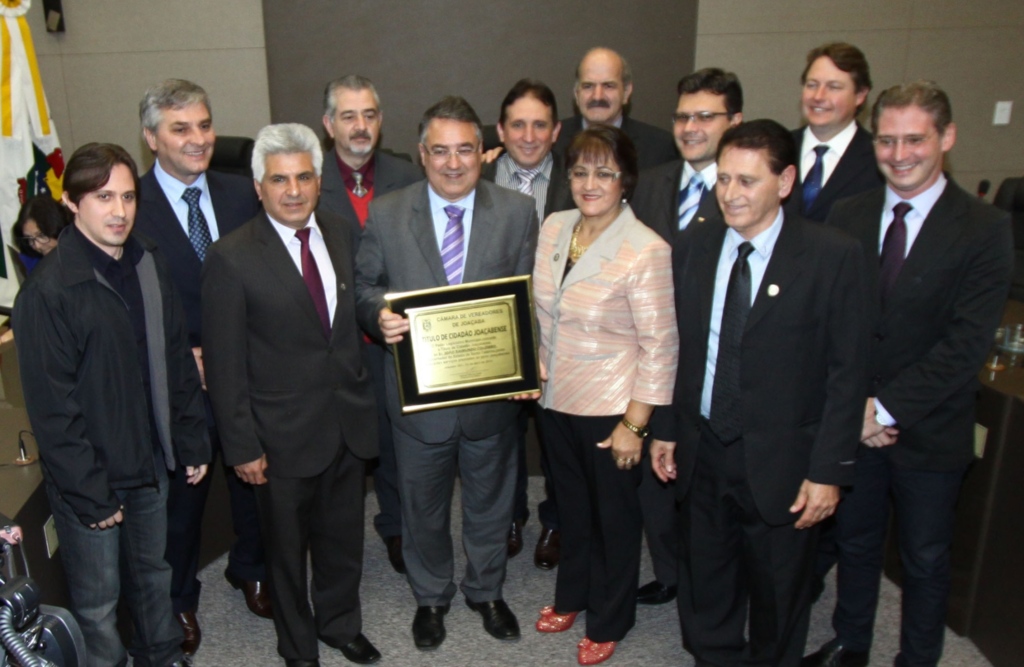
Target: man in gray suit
[
  {"x": 484, "y": 232},
  {"x": 354, "y": 174}
]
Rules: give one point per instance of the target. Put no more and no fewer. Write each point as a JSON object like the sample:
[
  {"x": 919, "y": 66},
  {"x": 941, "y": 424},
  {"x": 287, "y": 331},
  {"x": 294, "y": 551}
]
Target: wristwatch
[{"x": 642, "y": 431}]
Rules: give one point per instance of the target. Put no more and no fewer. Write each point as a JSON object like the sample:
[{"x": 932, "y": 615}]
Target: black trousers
[
  {"x": 601, "y": 524},
  {"x": 732, "y": 562},
  {"x": 321, "y": 516},
  {"x": 185, "y": 507}
]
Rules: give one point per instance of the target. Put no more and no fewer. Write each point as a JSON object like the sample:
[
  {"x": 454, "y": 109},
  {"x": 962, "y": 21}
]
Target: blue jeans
[
  {"x": 100, "y": 565},
  {"x": 924, "y": 502}
]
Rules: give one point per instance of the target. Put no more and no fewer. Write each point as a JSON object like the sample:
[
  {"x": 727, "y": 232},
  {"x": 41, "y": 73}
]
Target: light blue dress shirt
[
  {"x": 174, "y": 189},
  {"x": 764, "y": 244}
]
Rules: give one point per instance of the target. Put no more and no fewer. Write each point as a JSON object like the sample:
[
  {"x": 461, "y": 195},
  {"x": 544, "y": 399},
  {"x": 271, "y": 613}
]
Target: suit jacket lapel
[
  {"x": 705, "y": 269},
  {"x": 332, "y": 187},
  {"x": 278, "y": 261},
  {"x": 421, "y": 226},
  {"x": 783, "y": 268},
  {"x": 858, "y": 153},
  {"x": 342, "y": 263},
  {"x": 671, "y": 184},
  {"x": 481, "y": 241},
  {"x": 168, "y": 232},
  {"x": 603, "y": 249},
  {"x": 941, "y": 229}
]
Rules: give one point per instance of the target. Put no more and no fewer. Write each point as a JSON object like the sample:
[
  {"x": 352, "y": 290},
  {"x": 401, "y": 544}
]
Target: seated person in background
[{"x": 40, "y": 222}]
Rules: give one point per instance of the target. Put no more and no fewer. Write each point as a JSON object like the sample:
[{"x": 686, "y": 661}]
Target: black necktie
[
  {"x": 894, "y": 247},
  {"x": 813, "y": 182},
  {"x": 726, "y": 420}
]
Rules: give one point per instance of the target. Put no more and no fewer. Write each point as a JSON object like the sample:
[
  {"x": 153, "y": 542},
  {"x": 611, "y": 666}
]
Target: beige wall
[
  {"x": 96, "y": 72},
  {"x": 973, "y": 50}
]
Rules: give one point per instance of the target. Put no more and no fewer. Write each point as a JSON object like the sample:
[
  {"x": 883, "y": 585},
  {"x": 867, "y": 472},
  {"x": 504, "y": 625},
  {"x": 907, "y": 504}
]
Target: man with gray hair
[
  {"x": 355, "y": 173},
  {"x": 604, "y": 84},
  {"x": 185, "y": 207},
  {"x": 292, "y": 399},
  {"x": 488, "y": 232}
]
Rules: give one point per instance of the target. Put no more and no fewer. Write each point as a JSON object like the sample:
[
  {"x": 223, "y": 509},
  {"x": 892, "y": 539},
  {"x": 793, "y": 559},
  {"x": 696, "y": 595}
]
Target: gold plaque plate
[{"x": 466, "y": 344}]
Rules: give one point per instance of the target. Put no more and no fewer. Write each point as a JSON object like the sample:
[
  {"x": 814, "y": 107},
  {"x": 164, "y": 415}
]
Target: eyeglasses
[
  {"x": 701, "y": 117},
  {"x": 443, "y": 154},
  {"x": 911, "y": 141},
  {"x": 603, "y": 176},
  {"x": 38, "y": 238}
]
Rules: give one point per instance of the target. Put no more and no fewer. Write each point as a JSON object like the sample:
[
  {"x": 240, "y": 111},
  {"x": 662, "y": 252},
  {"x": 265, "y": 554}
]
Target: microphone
[{"x": 983, "y": 187}]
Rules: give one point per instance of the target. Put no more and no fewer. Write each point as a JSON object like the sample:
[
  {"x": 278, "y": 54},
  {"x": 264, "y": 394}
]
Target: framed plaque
[{"x": 467, "y": 343}]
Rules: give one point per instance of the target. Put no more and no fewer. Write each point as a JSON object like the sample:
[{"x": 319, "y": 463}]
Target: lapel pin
[
  {"x": 341, "y": 286},
  {"x": 700, "y": 219},
  {"x": 773, "y": 290},
  {"x": 557, "y": 255}
]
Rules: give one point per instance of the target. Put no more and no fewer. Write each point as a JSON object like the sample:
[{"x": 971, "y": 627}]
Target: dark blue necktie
[
  {"x": 198, "y": 230},
  {"x": 812, "y": 184}
]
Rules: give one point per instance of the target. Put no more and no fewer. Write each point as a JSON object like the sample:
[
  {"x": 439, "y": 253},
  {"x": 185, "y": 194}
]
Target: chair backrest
[
  {"x": 1010, "y": 197},
  {"x": 233, "y": 155}
]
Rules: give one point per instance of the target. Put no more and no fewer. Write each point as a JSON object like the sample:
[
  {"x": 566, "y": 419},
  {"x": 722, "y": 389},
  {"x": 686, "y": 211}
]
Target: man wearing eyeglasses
[
  {"x": 668, "y": 198},
  {"x": 354, "y": 174},
  {"x": 939, "y": 264},
  {"x": 836, "y": 157},
  {"x": 451, "y": 229},
  {"x": 604, "y": 84}
]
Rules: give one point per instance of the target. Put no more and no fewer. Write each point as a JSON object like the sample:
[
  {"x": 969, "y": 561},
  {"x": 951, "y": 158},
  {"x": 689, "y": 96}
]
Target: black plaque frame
[{"x": 519, "y": 287}]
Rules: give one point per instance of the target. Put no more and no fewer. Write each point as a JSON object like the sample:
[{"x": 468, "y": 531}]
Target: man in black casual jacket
[{"x": 113, "y": 395}]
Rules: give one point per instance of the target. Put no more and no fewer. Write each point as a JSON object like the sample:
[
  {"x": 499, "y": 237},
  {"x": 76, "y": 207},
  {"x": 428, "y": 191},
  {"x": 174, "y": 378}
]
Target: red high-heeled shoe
[
  {"x": 550, "y": 621},
  {"x": 592, "y": 653}
]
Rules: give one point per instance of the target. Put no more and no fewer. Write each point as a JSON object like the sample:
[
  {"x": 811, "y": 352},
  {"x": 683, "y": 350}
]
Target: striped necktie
[
  {"x": 452, "y": 245},
  {"x": 524, "y": 178},
  {"x": 689, "y": 200}
]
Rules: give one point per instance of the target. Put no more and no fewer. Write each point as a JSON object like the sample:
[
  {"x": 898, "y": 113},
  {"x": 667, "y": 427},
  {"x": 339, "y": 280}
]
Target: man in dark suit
[
  {"x": 183, "y": 207},
  {"x": 836, "y": 159},
  {"x": 528, "y": 126},
  {"x": 939, "y": 262},
  {"x": 452, "y": 229},
  {"x": 667, "y": 199},
  {"x": 293, "y": 402},
  {"x": 604, "y": 84},
  {"x": 355, "y": 173},
  {"x": 767, "y": 404}
]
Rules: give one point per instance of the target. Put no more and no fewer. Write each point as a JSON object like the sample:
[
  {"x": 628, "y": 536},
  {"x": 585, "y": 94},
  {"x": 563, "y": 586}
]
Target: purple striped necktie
[{"x": 453, "y": 252}]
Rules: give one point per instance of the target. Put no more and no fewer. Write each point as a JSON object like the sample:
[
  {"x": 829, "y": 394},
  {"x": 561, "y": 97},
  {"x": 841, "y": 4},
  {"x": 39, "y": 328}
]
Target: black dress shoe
[
  {"x": 499, "y": 621},
  {"x": 192, "y": 634},
  {"x": 428, "y": 627},
  {"x": 655, "y": 592},
  {"x": 515, "y": 538},
  {"x": 257, "y": 596},
  {"x": 299, "y": 662},
  {"x": 548, "y": 550},
  {"x": 394, "y": 545},
  {"x": 360, "y": 651},
  {"x": 834, "y": 654}
]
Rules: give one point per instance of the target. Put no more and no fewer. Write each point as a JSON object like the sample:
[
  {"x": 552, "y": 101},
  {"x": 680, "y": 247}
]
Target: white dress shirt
[{"x": 837, "y": 145}]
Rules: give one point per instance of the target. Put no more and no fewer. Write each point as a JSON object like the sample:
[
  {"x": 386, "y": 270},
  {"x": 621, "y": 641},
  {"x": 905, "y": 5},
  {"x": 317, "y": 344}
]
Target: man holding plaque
[{"x": 451, "y": 229}]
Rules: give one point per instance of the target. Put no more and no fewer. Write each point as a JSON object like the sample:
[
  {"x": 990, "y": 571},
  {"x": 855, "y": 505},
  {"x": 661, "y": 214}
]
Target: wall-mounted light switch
[{"x": 1002, "y": 114}]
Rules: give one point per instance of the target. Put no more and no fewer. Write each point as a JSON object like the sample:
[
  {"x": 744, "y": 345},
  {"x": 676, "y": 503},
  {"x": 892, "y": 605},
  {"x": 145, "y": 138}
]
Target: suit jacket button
[{"x": 879, "y": 337}]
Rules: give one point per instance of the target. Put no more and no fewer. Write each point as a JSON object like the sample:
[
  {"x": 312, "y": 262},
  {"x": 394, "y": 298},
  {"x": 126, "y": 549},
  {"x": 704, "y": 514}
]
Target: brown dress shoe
[
  {"x": 548, "y": 550},
  {"x": 257, "y": 598},
  {"x": 190, "y": 628},
  {"x": 515, "y": 538}
]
